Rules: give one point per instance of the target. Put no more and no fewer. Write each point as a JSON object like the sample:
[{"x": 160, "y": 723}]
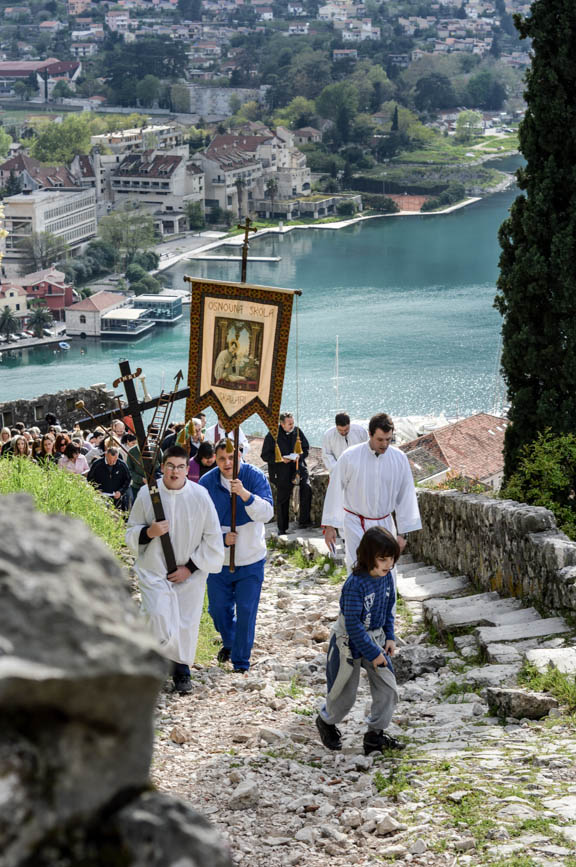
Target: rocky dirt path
[{"x": 469, "y": 789}]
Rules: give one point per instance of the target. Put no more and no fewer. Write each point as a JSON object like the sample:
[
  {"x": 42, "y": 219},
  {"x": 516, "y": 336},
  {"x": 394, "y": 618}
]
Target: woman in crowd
[
  {"x": 20, "y": 447},
  {"x": 203, "y": 461},
  {"x": 60, "y": 444},
  {"x": 5, "y": 440},
  {"x": 46, "y": 455},
  {"x": 96, "y": 443},
  {"x": 36, "y": 449},
  {"x": 73, "y": 460}
]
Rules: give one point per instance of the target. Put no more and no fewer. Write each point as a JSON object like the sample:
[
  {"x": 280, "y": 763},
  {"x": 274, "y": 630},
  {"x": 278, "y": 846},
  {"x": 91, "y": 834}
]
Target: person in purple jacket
[
  {"x": 202, "y": 462},
  {"x": 363, "y": 637}
]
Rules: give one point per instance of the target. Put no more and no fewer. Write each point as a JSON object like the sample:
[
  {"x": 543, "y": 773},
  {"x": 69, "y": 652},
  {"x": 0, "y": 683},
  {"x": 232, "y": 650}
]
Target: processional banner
[{"x": 238, "y": 346}]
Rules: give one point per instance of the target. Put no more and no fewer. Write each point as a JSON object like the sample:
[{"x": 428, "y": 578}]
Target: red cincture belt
[{"x": 363, "y": 518}]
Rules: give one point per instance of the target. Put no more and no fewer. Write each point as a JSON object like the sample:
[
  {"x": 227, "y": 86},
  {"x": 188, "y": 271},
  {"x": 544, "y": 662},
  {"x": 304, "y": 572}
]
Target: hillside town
[{"x": 167, "y": 118}]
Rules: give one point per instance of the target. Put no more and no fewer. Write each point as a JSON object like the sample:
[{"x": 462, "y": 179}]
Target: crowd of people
[{"x": 370, "y": 503}]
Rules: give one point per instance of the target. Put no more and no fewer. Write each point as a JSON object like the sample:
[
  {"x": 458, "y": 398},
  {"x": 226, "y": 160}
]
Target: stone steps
[
  {"x": 429, "y": 585},
  {"x": 481, "y": 609},
  {"x": 507, "y": 631},
  {"x": 545, "y": 626}
]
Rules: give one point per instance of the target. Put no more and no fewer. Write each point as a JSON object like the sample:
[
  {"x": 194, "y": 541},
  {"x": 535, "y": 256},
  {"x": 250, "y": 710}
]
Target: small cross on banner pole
[{"x": 247, "y": 228}]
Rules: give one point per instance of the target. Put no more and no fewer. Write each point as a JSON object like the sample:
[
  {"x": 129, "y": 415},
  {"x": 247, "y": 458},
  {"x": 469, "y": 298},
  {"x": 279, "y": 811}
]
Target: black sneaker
[
  {"x": 240, "y": 671},
  {"x": 376, "y": 741},
  {"x": 223, "y": 654},
  {"x": 183, "y": 684},
  {"x": 329, "y": 734}
]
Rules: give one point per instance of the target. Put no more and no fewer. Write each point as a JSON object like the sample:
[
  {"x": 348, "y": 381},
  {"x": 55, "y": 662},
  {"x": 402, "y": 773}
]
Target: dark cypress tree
[{"x": 537, "y": 283}]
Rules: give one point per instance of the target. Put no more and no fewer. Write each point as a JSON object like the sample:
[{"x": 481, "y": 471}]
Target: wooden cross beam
[{"x": 134, "y": 409}]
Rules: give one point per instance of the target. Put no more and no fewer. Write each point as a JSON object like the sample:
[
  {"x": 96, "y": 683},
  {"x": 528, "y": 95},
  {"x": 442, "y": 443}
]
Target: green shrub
[
  {"x": 545, "y": 477},
  {"x": 346, "y": 208},
  {"x": 57, "y": 491},
  {"x": 378, "y": 202}
]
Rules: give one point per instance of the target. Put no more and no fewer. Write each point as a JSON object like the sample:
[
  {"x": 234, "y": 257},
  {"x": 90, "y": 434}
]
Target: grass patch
[
  {"x": 456, "y": 688},
  {"x": 403, "y": 611},
  {"x": 207, "y": 637},
  {"x": 303, "y": 711},
  {"x": 561, "y": 686},
  {"x": 470, "y": 813},
  {"x": 394, "y": 782},
  {"x": 293, "y": 690},
  {"x": 58, "y": 492}
]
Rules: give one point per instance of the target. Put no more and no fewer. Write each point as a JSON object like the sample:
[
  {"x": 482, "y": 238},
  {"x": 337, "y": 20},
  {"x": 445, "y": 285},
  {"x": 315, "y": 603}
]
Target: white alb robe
[
  {"x": 215, "y": 433},
  {"x": 173, "y": 611},
  {"x": 334, "y": 444},
  {"x": 363, "y": 484}
]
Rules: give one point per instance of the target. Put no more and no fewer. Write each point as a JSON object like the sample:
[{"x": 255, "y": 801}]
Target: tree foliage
[
  {"x": 468, "y": 125},
  {"x": 5, "y": 142},
  {"x": 537, "y": 283},
  {"x": 9, "y": 324},
  {"x": 545, "y": 476},
  {"x": 58, "y": 143},
  {"x": 39, "y": 318},
  {"x": 129, "y": 230},
  {"x": 40, "y": 250},
  {"x": 434, "y": 91}
]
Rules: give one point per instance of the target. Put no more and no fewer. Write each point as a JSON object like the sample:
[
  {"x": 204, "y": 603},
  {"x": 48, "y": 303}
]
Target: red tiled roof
[
  {"x": 86, "y": 166},
  {"x": 50, "y": 275},
  {"x": 149, "y": 166},
  {"x": 5, "y": 286},
  {"x": 98, "y": 302},
  {"x": 47, "y": 176},
  {"x": 471, "y": 447},
  {"x": 23, "y": 68}
]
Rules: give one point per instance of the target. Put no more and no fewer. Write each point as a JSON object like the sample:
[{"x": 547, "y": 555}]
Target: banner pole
[{"x": 234, "y": 497}]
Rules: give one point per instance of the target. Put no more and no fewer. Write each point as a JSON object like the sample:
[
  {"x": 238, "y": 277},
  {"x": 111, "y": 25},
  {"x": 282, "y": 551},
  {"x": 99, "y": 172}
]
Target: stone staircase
[{"x": 503, "y": 631}]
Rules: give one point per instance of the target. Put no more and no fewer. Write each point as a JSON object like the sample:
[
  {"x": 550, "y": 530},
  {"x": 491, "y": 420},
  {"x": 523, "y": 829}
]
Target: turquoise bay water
[{"x": 409, "y": 298}]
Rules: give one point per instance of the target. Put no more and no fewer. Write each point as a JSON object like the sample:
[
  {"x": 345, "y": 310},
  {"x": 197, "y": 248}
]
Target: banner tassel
[
  {"x": 229, "y": 446},
  {"x": 298, "y": 443},
  {"x": 278, "y": 453}
]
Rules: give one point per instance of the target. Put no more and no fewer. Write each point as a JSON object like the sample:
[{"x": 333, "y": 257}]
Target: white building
[
  {"x": 70, "y": 216},
  {"x": 84, "y": 319}
]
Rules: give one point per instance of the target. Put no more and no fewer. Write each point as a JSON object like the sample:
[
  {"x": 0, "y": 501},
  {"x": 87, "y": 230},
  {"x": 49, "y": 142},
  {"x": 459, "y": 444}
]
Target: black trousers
[{"x": 284, "y": 488}]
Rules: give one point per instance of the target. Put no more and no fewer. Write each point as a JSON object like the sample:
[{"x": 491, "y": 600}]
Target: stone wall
[
  {"x": 97, "y": 398},
  {"x": 501, "y": 545}
]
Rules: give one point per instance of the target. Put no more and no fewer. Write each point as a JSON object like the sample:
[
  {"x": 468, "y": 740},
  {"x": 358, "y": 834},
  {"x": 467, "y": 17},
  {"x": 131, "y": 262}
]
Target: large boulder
[{"x": 79, "y": 676}]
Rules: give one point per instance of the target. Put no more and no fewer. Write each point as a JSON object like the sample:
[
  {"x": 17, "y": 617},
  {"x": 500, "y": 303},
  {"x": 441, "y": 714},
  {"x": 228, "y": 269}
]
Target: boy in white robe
[
  {"x": 369, "y": 482},
  {"x": 173, "y": 602}
]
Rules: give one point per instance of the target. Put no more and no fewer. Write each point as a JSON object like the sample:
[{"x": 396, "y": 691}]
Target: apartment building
[{"x": 70, "y": 216}]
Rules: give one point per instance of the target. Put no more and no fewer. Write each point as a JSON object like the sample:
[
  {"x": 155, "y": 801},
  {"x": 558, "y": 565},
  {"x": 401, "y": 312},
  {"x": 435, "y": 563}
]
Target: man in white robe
[
  {"x": 216, "y": 432},
  {"x": 369, "y": 482},
  {"x": 340, "y": 437},
  {"x": 173, "y": 602}
]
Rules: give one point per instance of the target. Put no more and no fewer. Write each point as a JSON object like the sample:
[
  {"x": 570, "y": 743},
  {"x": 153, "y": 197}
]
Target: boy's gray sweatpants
[{"x": 346, "y": 677}]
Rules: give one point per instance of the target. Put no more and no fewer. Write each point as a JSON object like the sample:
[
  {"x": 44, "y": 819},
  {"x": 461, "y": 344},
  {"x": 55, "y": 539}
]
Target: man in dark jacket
[
  {"x": 291, "y": 471},
  {"x": 111, "y": 477}
]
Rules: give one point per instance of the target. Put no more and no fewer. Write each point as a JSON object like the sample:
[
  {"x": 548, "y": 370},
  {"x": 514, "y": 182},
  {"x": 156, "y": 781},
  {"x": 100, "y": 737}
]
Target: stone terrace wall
[
  {"x": 500, "y": 544},
  {"x": 62, "y": 404}
]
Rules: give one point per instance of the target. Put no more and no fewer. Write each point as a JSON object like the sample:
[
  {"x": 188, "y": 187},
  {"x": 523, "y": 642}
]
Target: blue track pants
[{"x": 233, "y": 599}]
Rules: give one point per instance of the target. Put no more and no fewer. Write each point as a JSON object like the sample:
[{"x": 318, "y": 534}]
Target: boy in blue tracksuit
[
  {"x": 363, "y": 637},
  {"x": 233, "y": 597}
]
